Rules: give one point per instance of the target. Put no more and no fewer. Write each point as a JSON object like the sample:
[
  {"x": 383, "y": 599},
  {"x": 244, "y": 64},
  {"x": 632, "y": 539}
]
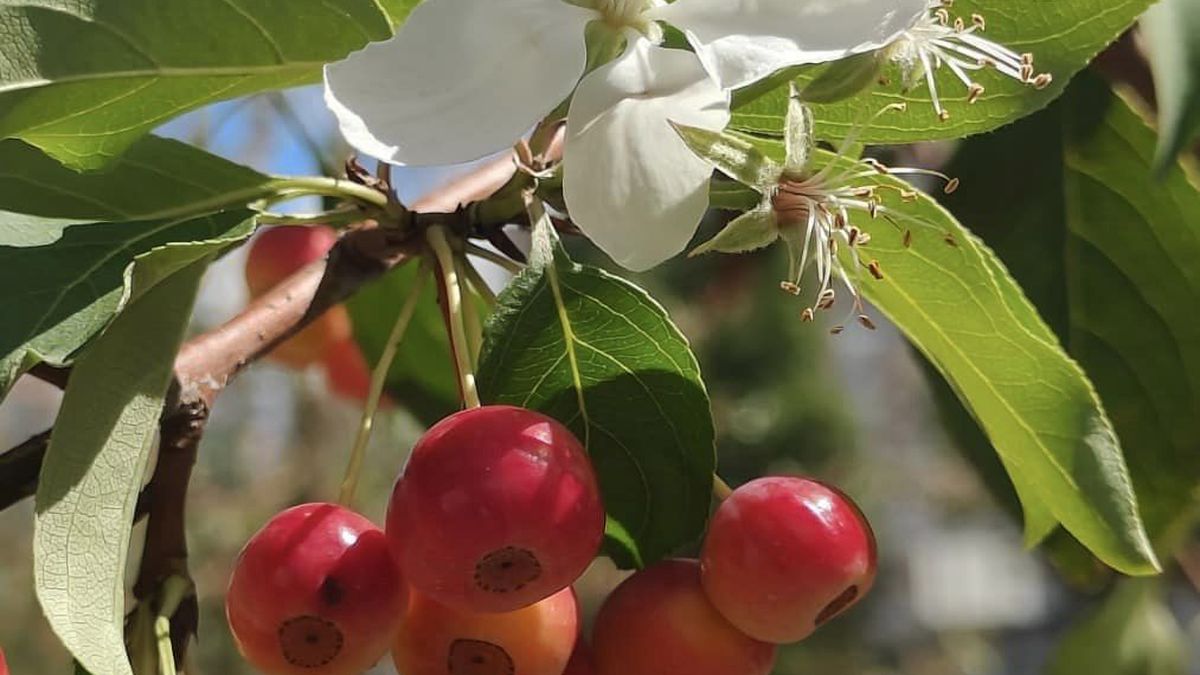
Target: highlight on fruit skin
[
  {"x": 659, "y": 621},
  {"x": 279, "y": 252},
  {"x": 316, "y": 591},
  {"x": 440, "y": 640},
  {"x": 783, "y": 555},
  {"x": 497, "y": 508}
]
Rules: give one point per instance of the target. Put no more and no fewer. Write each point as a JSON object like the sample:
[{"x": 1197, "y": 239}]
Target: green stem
[
  {"x": 166, "y": 653},
  {"x": 436, "y": 236},
  {"x": 334, "y": 218},
  {"x": 329, "y": 187},
  {"x": 378, "y": 379},
  {"x": 172, "y": 593},
  {"x": 479, "y": 286},
  {"x": 491, "y": 256},
  {"x": 470, "y": 313}
]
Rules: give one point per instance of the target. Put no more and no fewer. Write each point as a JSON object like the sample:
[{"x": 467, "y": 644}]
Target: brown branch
[
  {"x": 51, "y": 374},
  {"x": 19, "y": 469}
]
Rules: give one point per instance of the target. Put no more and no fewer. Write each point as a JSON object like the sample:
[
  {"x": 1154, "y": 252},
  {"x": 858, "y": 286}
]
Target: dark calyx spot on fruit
[
  {"x": 476, "y": 657},
  {"x": 839, "y": 603},
  {"x": 506, "y": 570},
  {"x": 310, "y": 641},
  {"x": 331, "y": 591}
]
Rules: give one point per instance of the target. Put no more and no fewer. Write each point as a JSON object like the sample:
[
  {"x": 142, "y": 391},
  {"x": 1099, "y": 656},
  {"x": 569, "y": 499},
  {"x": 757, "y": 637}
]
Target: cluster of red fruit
[
  {"x": 495, "y": 515},
  {"x": 276, "y": 254}
]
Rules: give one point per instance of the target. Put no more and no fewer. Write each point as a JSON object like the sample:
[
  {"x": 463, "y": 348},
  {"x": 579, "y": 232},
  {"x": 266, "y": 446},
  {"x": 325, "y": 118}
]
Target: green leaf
[
  {"x": 94, "y": 469},
  {"x": 20, "y": 230},
  {"x": 398, "y": 10},
  {"x": 83, "y": 79},
  {"x": 1172, "y": 32},
  {"x": 959, "y": 306},
  {"x": 156, "y": 178},
  {"x": 1132, "y": 633},
  {"x": 600, "y": 355},
  {"x": 58, "y": 296},
  {"x": 1133, "y": 286},
  {"x": 1105, "y": 252},
  {"x": 1063, "y": 36},
  {"x": 422, "y": 377}
]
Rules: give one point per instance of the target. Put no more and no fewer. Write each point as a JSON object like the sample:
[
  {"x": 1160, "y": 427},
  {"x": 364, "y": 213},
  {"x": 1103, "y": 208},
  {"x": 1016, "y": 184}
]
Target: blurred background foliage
[{"x": 957, "y": 593}]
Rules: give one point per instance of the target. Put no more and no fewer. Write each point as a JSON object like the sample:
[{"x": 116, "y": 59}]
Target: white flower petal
[
  {"x": 460, "y": 80},
  {"x": 630, "y": 182},
  {"x": 743, "y": 41}
]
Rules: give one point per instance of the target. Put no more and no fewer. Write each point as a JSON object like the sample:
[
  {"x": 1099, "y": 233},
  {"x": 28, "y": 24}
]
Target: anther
[
  {"x": 974, "y": 92},
  {"x": 866, "y": 321},
  {"x": 875, "y": 269}
]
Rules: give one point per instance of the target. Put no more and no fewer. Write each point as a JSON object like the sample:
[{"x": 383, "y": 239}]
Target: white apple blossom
[{"x": 465, "y": 78}]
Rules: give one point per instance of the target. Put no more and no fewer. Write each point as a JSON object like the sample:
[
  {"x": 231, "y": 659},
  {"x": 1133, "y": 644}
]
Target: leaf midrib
[{"x": 169, "y": 71}]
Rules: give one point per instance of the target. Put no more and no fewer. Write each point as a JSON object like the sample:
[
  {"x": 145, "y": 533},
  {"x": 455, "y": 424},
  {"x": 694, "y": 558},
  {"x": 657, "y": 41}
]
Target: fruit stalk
[
  {"x": 436, "y": 237},
  {"x": 378, "y": 378}
]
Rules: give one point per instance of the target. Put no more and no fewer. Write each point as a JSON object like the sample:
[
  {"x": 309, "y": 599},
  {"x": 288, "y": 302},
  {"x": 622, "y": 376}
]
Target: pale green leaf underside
[
  {"x": 603, "y": 357},
  {"x": 156, "y": 178},
  {"x": 82, "y": 79},
  {"x": 94, "y": 469},
  {"x": 1063, "y": 35},
  {"x": 64, "y": 293},
  {"x": 959, "y": 306}
]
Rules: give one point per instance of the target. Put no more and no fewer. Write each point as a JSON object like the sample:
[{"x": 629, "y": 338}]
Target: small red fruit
[
  {"x": 497, "y": 508},
  {"x": 3, "y": 664},
  {"x": 784, "y": 555},
  {"x": 659, "y": 622},
  {"x": 346, "y": 370},
  {"x": 316, "y": 591},
  {"x": 277, "y": 253},
  {"x": 439, "y": 640}
]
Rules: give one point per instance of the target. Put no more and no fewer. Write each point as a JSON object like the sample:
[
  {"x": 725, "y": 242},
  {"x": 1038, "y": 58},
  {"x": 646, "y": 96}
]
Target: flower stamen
[{"x": 936, "y": 40}]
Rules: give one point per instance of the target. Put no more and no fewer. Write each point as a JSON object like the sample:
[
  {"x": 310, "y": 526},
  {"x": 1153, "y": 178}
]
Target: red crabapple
[
  {"x": 783, "y": 555},
  {"x": 347, "y": 373},
  {"x": 659, "y": 622},
  {"x": 316, "y": 591},
  {"x": 3, "y": 664},
  {"x": 497, "y": 508},
  {"x": 277, "y": 253},
  {"x": 439, "y": 640}
]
